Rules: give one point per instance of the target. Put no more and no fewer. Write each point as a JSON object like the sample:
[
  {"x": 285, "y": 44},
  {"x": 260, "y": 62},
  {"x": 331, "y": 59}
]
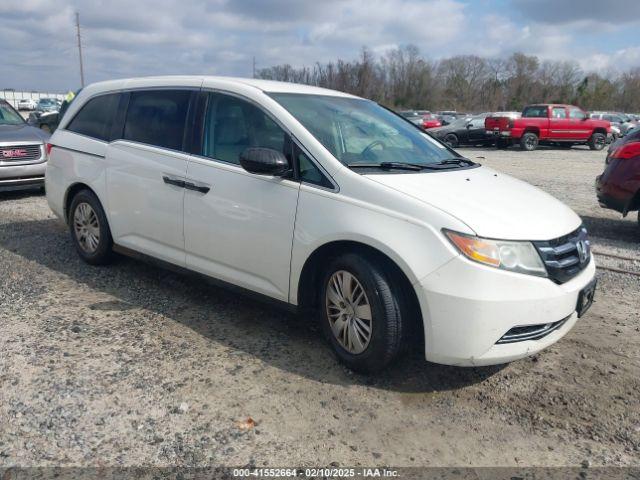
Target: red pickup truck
[{"x": 565, "y": 125}]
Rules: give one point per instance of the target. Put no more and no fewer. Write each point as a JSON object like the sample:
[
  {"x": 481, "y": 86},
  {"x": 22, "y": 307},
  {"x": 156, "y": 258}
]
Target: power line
[{"x": 80, "y": 49}]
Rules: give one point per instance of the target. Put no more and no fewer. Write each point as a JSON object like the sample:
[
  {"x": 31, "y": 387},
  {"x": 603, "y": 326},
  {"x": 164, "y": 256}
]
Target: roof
[{"x": 190, "y": 80}]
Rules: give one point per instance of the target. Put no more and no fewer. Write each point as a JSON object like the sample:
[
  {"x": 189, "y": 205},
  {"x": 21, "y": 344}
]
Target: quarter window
[
  {"x": 157, "y": 117},
  {"x": 309, "y": 172},
  {"x": 95, "y": 118},
  {"x": 232, "y": 125}
]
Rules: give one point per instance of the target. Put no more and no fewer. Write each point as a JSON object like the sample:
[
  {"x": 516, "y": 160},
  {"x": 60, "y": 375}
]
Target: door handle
[
  {"x": 197, "y": 188},
  {"x": 173, "y": 181}
]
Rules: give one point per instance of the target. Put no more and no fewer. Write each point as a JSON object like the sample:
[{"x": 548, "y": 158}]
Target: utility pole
[
  {"x": 254, "y": 66},
  {"x": 80, "y": 49}
]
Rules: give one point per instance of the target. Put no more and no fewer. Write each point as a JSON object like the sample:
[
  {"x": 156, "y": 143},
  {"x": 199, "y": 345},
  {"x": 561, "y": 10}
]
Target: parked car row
[
  {"x": 40, "y": 105},
  {"x": 549, "y": 124},
  {"x": 621, "y": 123}
]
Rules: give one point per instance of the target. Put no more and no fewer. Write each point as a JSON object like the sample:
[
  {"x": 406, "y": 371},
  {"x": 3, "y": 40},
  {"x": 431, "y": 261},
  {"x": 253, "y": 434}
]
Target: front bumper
[
  {"x": 18, "y": 176},
  {"x": 468, "y": 307}
]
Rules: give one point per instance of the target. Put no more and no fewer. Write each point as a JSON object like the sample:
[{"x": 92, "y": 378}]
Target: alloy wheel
[
  {"x": 86, "y": 227},
  {"x": 349, "y": 312}
]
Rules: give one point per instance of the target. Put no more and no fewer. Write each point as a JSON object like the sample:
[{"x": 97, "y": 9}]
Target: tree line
[{"x": 403, "y": 78}]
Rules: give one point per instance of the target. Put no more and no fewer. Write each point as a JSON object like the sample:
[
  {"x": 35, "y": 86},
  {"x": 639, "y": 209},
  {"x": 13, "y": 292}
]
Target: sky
[{"x": 125, "y": 38}]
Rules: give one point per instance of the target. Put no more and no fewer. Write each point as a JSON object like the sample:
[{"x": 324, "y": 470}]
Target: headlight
[{"x": 520, "y": 257}]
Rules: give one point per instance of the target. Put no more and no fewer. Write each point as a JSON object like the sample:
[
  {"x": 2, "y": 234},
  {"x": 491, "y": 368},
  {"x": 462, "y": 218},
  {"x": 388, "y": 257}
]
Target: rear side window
[
  {"x": 96, "y": 116},
  {"x": 535, "y": 112},
  {"x": 559, "y": 112},
  {"x": 157, "y": 117}
]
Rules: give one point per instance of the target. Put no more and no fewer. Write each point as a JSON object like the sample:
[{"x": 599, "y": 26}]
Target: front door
[
  {"x": 559, "y": 125},
  {"x": 578, "y": 127},
  {"x": 238, "y": 226}
]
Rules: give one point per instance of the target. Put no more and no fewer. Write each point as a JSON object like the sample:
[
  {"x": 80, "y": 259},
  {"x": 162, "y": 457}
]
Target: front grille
[
  {"x": 531, "y": 332},
  {"x": 566, "y": 256},
  {"x": 20, "y": 153}
]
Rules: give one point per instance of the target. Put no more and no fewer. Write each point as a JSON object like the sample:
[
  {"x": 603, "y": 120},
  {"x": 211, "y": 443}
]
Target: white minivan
[{"x": 328, "y": 203}]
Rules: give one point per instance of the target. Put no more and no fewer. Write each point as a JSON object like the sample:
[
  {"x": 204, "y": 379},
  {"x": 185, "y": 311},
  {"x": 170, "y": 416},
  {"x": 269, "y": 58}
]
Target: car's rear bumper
[
  {"x": 468, "y": 308},
  {"x": 498, "y": 133}
]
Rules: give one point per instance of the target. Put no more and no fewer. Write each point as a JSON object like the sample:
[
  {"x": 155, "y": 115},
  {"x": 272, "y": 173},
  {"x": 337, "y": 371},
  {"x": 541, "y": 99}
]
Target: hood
[
  {"x": 492, "y": 204},
  {"x": 22, "y": 133}
]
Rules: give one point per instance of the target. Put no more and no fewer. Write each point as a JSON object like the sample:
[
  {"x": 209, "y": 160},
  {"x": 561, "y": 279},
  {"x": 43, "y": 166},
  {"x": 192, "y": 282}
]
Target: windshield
[
  {"x": 360, "y": 131},
  {"x": 8, "y": 116}
]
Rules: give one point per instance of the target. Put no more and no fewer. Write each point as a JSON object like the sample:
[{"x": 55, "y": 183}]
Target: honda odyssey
[{"x": 328, "y": 203}]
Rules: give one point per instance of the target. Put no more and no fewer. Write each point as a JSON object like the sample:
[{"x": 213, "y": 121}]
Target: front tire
[
  {"x": 361, "y": 313},
  {"x": 597, "y": 141},
  {"x": 89, "y": 229},
  {"x": 529, "y": 142}
]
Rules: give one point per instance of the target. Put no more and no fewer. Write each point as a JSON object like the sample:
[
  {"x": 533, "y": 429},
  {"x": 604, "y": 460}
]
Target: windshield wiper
[
  {"x": 456, "y": 161},
  {"x": 389, "y": 165}
]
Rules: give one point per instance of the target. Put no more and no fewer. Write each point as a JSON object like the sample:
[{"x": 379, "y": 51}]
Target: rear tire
[
  {"x": 529, "y": 142},
  {"x": 89, "y": 229},
  {"x": 597, "y": 141},
  {"x": 353, "y": 288},
  {"x": 451, "y": 139}
]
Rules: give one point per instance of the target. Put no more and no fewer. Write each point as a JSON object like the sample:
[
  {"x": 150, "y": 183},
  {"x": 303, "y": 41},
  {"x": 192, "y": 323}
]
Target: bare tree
[{"x": 402, "y": 78}]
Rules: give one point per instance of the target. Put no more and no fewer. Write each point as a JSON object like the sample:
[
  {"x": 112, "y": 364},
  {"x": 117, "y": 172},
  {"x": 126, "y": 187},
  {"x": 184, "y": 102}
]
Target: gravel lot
[{"x": 135, "y": 365}]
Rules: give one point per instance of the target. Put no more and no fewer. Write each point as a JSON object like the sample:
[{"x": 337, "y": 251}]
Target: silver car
[{"x": 22, "y": 151}]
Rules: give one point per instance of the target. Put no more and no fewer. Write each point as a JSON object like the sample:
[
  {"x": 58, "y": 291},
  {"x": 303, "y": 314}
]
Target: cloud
[
  {"x": 124, "y": 38},
  {"x": 594, "y": 12}
]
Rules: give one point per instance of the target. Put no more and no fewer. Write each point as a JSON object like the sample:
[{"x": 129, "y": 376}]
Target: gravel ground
[{"x": 134, "y": 365}]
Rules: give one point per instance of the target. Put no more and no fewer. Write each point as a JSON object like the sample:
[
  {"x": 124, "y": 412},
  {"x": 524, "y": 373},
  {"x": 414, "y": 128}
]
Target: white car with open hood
[{"x": 328, "y": 203}]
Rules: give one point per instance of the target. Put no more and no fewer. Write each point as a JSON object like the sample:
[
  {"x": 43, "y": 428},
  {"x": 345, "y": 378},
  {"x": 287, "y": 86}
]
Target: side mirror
[
  {"x": 469, "y": 125},
  {"x": 264, "y": 161}
]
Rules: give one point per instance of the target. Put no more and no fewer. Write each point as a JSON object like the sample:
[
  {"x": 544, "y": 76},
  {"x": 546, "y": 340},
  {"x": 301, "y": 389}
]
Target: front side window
[
  {"x": 96, "y": 116},
  {"x": 8, "y": 116},
  {"x": 157, "y": 117},
  {"x": 577, "y": 114},
  {"x": 358, "y": 131},
  {"x": 559, "y": 112},
  {"x": 233, "y": 125}
]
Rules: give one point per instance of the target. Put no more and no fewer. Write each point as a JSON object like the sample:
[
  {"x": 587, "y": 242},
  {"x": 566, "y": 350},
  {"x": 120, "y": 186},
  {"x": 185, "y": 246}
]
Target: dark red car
[{"x": 618, "y": 187}]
